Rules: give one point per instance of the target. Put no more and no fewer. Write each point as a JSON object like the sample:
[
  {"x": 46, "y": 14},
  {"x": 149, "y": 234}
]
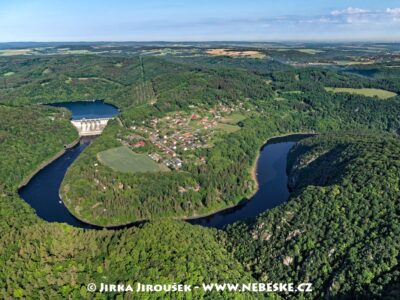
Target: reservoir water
[
  {"x": 42, "y": 191},
  {"x": 89, "y": 109}
]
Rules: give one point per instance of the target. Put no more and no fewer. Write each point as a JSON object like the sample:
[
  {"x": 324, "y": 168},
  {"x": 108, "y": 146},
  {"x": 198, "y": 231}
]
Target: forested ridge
[
  {"x": 56, "y": 261},
  {"x": 51, "y": 260},
  {"x": 339, "y": 231},
  {"x": 27, "y": 138},
  {"x": 225, "y": 179}
]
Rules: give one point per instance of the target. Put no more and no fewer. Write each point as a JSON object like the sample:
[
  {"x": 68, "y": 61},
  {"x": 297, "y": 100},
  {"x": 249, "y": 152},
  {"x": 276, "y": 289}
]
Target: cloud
[
  {"x": 393, "y": 11},
  {"x": 355, "y": 15},
  {"x": 349, "y": 11}
]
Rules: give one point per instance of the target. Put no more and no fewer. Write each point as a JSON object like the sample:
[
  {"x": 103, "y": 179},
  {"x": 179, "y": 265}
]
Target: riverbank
[
  {"x": 194, "y": 217},
  {"x": 253, "y": 169},
  {"x": 254, "y": 176},
  {"x": 45, "y": 163},
  {"x": 224, "y": 212}
]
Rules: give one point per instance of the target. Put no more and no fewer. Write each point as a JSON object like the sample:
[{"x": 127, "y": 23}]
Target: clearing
[
  {"x": 8, "y": 74},
  {"x": 233, "y": 119},
  {"x": 227, "y": 127},
  {"x": 310, "y": 51},
  {"x": 381, "y": 94},
  {"x": 235, "y": 53},
  {"x": 122, "y": 159}
]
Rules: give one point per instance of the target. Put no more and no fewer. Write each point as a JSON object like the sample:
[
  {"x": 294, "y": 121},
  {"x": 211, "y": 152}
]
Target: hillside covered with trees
[
  {"x": 40, "y": 259},
  {"x": 225, "y": 179},
  {"x": 339, "y": 230}
]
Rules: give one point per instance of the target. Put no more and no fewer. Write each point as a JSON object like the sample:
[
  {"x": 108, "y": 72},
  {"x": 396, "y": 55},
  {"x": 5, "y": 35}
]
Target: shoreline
[
  {"x": 244, "y": 200},
  {"x": 253, "y": 168},
  {"x": 253, "y": 174},
  {"x": 47, "y": 162}
]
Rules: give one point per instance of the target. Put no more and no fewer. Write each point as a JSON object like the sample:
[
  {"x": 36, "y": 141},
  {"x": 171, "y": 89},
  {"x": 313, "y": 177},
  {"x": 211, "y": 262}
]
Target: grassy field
[
  {"x": 12, "y": 52},
  {"x": 227, "y": 127},
  {"x": 122, "y": 159},
  {"x": 353, "y": 62},
  {"x": 292, "y": 92},
  {"x": 310, "y": 51},
  {"x": 8, "y": 74},
  {"x": 381, "y": 94},
  {"x": 233, "y": 118}
]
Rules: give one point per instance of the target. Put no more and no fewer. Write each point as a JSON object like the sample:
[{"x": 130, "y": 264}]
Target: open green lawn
[
  {"x": 122, "y": 159},
  {"x": 381, "y": 94},
  {"x": 353, "y": 62},
  {"x": 310, "y": 51},
  {"x": 227, "y": 127},
  {"x": 233, "y": 118},
  {"x": 8, "y": 74},
  {"x": 292, "y": 92}
]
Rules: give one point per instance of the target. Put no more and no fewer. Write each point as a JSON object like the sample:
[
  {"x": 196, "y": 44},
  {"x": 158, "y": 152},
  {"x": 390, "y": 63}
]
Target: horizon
[
  {"x": 316, "y": 41},
  {"x": 178, "y": 21}
]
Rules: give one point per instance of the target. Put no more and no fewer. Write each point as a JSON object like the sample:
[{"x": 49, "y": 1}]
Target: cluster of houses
[
  {"x": 173, "y": 163},
  {"x": 173, "y": 135}
]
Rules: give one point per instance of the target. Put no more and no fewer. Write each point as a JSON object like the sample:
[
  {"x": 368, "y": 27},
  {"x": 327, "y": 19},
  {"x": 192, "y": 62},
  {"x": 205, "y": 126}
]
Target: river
[
  {"x": 272, "y": 181},
  {"x": 42, "y": 191}
]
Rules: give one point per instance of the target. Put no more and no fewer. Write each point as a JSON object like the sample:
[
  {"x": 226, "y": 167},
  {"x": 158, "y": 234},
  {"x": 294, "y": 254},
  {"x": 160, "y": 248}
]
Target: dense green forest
[
  {"x": 225, "y": 180},
  {"x": 56, "y": 261},
  {"x": 27, "y": 138},
  {"x": 338, "y": 231},
  {"x": 48, "y": 79}
]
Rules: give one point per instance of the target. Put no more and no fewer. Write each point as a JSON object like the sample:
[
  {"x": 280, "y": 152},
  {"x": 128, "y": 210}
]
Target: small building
[{"x": 139, "y": 144}]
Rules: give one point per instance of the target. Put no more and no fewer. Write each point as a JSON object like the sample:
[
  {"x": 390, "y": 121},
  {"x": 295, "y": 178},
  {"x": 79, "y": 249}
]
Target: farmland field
[
  {"x": 381, "y": 94},
  {"x": 12, "y": 52},
  {"x": 122, "y": 159},
  {"x": 233, "y": 53},
  {"x": 310, "y": 51}
]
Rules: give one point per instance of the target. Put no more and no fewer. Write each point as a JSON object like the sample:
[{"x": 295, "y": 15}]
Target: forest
[
  {"x": 225, "y": 179},
  {"x": 339, "y": 230},
  {"x": 56, "y": 261}
]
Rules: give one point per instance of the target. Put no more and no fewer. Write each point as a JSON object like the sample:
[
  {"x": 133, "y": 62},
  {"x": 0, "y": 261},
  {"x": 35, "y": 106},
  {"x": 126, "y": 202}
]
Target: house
[{"x": 139, "y": 144}]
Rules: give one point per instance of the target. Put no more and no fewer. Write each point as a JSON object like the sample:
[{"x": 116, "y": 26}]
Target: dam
[
  {"x": 89, "y": 117},
  {"x": 89, "y": 127}
]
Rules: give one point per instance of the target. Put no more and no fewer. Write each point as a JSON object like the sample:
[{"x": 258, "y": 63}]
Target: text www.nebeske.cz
[{"x": 185, "y": 288}]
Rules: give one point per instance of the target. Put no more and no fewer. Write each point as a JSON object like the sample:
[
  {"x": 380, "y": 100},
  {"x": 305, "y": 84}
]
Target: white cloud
[
  {"x": 393, "y": 11},
  {"x": 349, "y": 11}
]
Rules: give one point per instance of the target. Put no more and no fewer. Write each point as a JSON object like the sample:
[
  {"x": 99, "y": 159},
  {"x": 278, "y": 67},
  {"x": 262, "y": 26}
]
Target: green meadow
[
  {"x": 381, "y": 94},
  {"x": 122, "y": 159}
]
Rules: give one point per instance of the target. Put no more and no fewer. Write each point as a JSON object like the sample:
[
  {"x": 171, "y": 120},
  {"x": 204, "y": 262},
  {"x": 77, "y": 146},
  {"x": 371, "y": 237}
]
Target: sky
[{"x": 205, "y": 20}]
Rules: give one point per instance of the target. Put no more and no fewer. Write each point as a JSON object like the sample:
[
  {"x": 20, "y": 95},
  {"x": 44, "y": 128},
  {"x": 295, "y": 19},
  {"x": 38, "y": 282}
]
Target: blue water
[
  {"x": 42, "y": 191},
  {"x": 89, "y": 109},
  {"x": 273, "y": 188}
]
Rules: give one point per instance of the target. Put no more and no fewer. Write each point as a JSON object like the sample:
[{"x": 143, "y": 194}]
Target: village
[{"x": 175, "y": 135}]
